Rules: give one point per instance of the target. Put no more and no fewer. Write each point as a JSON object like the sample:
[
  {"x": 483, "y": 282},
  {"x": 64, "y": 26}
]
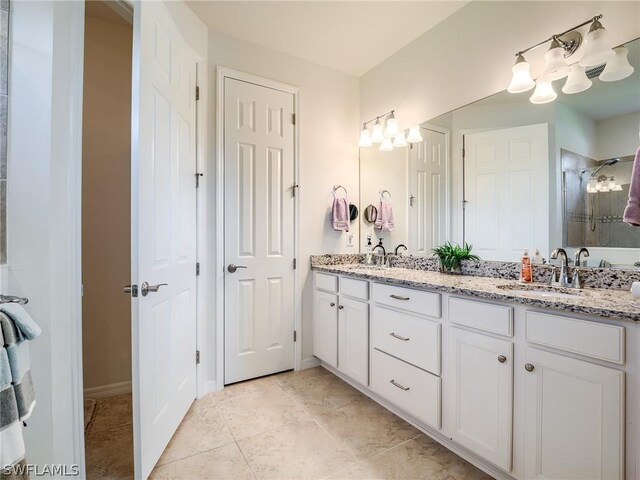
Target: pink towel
[
  {"x": 340, "y": 214},
  {"x": 384, "y": 221},
  {"x": 632, "y": 212}
]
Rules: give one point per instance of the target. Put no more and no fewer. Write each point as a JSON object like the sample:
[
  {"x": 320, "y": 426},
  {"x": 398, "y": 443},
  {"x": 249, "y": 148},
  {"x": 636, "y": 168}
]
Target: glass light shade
[
  {"x": 392, "y": 129},
  {"x": 544, "y": 92},
  {"x": 521, "y": 80},
  {"x": 618, "y": 67},
  {"x": 591, "y": 186},
  {"x": 577, "y": 81},
  {"x": 414, "y": 134},
  {"x": 555, "y": 66},
  {"x": 365, "y": 138},
  {"x": 612, "y": 184},
  {"x": 597, "y": 46},
  {"x": 400, "y": 140},
  {"x": 377, "y": 132},
  {"x": 386, "y": 145}
]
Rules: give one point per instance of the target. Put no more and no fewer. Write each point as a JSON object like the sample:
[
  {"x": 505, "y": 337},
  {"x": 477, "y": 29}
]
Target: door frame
[{"x": 222, "y": 73}]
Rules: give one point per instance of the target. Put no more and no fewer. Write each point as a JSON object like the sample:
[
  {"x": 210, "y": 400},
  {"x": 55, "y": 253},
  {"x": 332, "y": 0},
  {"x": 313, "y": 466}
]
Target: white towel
[
  {"x": 385, "y": 221},
  {"x": 340, "y": 217}
]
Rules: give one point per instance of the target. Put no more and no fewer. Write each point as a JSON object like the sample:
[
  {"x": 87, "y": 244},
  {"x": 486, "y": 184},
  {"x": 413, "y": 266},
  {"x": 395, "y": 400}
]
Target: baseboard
[
  {"x": 209, "y": 387},
  {"x": 110, "y": 390},
  {"x": 310, "y": 363}
]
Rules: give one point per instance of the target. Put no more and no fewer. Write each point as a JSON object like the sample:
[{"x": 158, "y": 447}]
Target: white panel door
[
  {"x": 259, "y": 230},
  {"x": 574, "y": 419},
  {"x": 481, "y": 394},
  {"x": 164, "y": 231},
  {"x": 428, "y": 164},
  {"x": 325, "y": 327},
  {"x": 506, "y": 189},
  {"x": 353, "y": 339}
]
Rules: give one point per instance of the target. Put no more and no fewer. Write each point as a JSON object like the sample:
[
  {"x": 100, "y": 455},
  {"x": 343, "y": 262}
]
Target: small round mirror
[
  {"x": 371, "y": 214},
  {"x": 353, "y": 212}
]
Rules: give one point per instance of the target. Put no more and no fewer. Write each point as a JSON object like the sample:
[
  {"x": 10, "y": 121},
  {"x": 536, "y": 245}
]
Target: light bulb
[
  {"x": 377, "y": 132},
  {"x": 392, "y": 129},
  {"x": 555, "y": 66},
  {"x": 544, "y": 92},
  {"x": 597, "y": 46},
  {"x": 400, "y": 140},
  {"x": 618, "y": 67},
  {"x": 577, "y": 81},
  {"x": 365, "y": 137},
  {"x": 521, "y": 80},
  {"x": 414, "y": 134},
  {"x": 386, "y": 145}
]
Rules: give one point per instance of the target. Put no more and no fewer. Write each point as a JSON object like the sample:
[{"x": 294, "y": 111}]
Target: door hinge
[
  {"x": 293, "y": 119},
  {"x": 295, "y": 336},
  {"x": 198, "y": 175},
  {"x": 295, "y": 263},
  {"x": 197, "y": 93},
  {"x": 197, "y": 268},
  {"x": 197, "y": 357}
]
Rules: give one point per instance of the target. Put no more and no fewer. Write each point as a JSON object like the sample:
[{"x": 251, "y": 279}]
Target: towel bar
[{"x": 12, "y": 299}]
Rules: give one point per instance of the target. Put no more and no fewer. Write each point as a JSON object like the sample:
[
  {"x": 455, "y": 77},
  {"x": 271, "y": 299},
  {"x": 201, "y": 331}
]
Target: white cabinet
[
  {"x": 574, "y": 418},
  {"x": 353, "y": 339},
  {"x": 325, "y": 327},
  {"x": 481, "y": 394}
]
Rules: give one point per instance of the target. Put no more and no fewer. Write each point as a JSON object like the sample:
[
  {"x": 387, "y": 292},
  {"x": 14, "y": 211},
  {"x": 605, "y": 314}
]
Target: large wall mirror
[{"x": 507, "y": 175}]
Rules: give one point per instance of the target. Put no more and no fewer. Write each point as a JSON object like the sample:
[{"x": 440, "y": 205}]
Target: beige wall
[{"x": 106, "y": 185}]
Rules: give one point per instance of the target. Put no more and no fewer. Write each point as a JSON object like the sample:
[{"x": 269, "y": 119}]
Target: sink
[{"x": 542, "y": 291}]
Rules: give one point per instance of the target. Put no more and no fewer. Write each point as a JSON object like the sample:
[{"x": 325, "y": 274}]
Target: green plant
[{"x": 451, "y": 254}]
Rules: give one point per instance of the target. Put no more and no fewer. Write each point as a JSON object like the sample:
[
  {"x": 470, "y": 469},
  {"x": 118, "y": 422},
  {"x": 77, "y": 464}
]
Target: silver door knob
[
  {"x": 145, "y": 288},
  {"x": 232, "y": 268},
  {"x": 502, "y": 358},
  {"x": 131, "y": 290},
  {"x": 529, "y": 367}
]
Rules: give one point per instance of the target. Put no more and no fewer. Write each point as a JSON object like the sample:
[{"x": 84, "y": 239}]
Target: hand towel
[
  {"x": 22, "y": 319},
  {"x": 632, "y": 212},
  {"x": 385, "y": 220},
  {"x": 340, "y": 216}
]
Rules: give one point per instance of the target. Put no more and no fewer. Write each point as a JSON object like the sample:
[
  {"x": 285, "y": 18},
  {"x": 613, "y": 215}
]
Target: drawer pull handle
[
  {"x": 340, "y": 307},
  {"x": 398, "y": 297},
  {"x": 502, "y": 358},
  {"x": 332, "y": 304},
  {"x": 529, "y": 367},
  {"x": 396, "y": 384},
  {"x": 395, "y": 335}
]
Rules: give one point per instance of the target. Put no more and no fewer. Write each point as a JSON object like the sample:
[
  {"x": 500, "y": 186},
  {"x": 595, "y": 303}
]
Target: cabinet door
[
  {"x": 481, "y": 394},
  {"x": 574, "y": 422},
  {"x": 353, "y": 340},
  {"x": 325, "y": 327}
]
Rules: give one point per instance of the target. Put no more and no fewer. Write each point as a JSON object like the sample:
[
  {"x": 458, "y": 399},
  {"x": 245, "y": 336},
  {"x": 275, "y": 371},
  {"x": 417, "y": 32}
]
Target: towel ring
[
  {"x": 338, "y": 187},
  {"x": 382, "y": 194}
]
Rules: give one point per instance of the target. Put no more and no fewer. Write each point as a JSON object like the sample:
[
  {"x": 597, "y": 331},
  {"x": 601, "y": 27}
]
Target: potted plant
[{"x": 451, "y": 256}]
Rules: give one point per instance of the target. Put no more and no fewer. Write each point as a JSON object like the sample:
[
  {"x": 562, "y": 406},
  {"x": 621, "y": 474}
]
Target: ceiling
[{"x": 348, "y": 36}]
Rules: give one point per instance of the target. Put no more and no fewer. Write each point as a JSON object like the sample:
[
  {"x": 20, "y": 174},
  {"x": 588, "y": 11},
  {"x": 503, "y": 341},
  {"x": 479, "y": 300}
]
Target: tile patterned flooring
[{"x": 296, "y": 425}]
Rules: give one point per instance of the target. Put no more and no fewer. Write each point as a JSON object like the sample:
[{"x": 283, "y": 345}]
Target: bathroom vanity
[{"x": 521, "y": 381}]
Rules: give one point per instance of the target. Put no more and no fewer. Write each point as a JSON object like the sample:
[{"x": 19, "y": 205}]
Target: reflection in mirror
[{"x": 522, "y": 173}]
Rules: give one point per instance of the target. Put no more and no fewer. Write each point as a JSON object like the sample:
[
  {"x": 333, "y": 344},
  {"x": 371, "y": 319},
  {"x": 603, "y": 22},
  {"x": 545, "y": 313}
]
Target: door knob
[
  {"x": 232, "y": 268},
  {"x": 131, "y": 290},
  {"x": 146, "y": 289},
  {"x": 529, "y": 367}
]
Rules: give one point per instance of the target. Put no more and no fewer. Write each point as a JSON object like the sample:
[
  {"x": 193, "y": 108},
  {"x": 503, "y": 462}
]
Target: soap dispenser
[
  {"x": 526, "y": 273},
  {"x": 368, "y": 258}
]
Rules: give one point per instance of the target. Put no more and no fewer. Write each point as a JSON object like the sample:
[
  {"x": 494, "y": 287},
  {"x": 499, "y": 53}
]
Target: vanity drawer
[
  {"x": 413, "y": 339},
  {"x": 482, "y": 316},
  {"x": 592, "y": 339},
  {"x": 354, "y": 288},
  {"x": 409, "y": 388},
  {"x": 418, "y": 301},
  {"x": 326, "y": 282}
]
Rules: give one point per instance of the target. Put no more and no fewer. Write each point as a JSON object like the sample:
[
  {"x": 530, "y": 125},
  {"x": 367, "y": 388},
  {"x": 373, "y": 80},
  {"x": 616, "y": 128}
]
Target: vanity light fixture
[
  {"x": 414, "y": 135},
  {"x": 387, "y": 133},
  {"x": 597, "y": 51}
]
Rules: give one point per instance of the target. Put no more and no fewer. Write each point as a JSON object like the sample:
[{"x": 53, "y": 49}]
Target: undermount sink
[{"x": 542, "y": 291}]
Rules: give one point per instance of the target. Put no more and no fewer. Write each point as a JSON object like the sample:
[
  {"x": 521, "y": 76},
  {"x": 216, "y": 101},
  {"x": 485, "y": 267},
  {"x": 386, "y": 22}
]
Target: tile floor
[{"x": 296, "y": 425}]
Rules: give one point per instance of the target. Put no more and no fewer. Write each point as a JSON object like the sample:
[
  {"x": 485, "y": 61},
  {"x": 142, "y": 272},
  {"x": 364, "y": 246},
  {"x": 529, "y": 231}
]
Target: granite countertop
[{"x": 606, "y": 303}]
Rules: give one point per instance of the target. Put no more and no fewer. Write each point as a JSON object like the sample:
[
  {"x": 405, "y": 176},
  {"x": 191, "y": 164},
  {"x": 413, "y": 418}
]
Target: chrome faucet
[
  {"x": 576, "y": 271},
  {"x": 563, "y": 280}
]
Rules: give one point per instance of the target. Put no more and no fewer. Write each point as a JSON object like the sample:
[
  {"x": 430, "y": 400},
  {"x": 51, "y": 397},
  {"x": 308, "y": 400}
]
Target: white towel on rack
[{"x": 385, "y": 220}]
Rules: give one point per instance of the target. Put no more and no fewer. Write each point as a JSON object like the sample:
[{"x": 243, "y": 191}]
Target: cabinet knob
[
  {"x": 502, "y": 358},
  {"x": 340, "y": 307},
  {"x": 332, "y": 304},
  {"x": 529, "y": 367}
]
